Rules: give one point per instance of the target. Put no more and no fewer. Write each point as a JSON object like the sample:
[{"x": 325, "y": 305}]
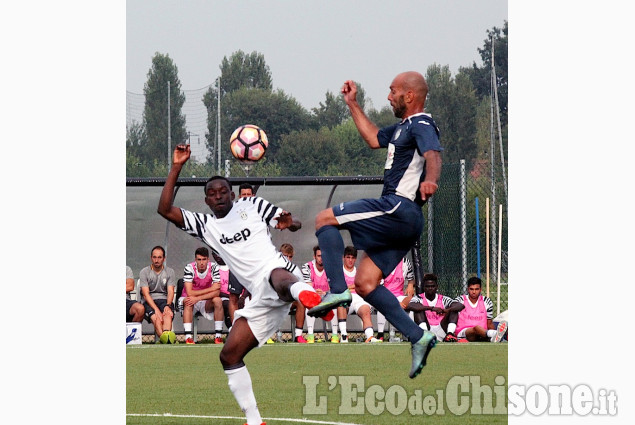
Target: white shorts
[
  {"x": 199, "y": 307},
  {"x": 438, "y": 331},
  {"x": 356, "y": 303},
  {"x": 265, "y": 312},
  {"x": 461, "y": 333}
]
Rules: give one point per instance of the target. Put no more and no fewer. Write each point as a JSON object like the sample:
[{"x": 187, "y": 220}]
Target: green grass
[{"x": 189, "y": 380}]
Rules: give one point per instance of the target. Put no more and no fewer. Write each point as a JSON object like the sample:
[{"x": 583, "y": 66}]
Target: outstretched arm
[
  {"x": 364, "y": 125},
  {"x": 166, "y": 208}
]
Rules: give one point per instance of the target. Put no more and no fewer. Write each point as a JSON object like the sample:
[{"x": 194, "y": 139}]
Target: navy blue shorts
[{"x": 385, "y": 228}]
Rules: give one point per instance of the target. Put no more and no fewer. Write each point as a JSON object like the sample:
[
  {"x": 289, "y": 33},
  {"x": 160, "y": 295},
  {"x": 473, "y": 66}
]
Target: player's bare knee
[{"x": 325, "y": 218}]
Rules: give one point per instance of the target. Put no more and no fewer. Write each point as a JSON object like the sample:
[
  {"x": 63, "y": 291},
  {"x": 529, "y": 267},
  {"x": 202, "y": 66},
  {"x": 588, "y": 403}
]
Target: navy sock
[
  {"x": 386, "y": 303},
  {"x": 332, "y": 247}
]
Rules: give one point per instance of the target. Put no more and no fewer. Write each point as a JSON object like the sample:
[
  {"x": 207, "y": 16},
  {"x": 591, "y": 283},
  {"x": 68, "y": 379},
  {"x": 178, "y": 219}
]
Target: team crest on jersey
[{"x": 243, "y": 214}]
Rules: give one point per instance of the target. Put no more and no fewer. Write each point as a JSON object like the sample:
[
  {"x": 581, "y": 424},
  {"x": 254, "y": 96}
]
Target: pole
[
  {"x": 498, "y": 119},
  {"x": 478, "y": 242},
  {"x": 431, "y": 235},
  {"x": 500, "y": 238},
  {"x": 169, "y": 131},
  {"x": 487, "y": 246},
  {"x": 218, "y": 127},
  {"x": 463, "y": 191}
]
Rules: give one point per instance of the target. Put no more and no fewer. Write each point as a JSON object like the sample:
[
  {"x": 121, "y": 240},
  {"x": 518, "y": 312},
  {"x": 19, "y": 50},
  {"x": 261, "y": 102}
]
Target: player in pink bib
[
  {"x": 475, "y": 320},
  {"x": 435, "y": 312}
]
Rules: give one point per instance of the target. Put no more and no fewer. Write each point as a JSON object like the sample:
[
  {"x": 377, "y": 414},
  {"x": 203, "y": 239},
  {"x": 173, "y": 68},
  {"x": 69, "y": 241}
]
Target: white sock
[
  {"x": 491, "y": 333},
  {"x": 368, "y": 332},
  {"x": 310, "y": 323},
  {"x": 298, "y": 332},
  {"x": 239, "y": 382},
  {"x": 451, "y": 327},
  {"x": 334, "y": 324},
  {"x": 342, "y": 326},
  {"x": 381, "y": 322},
  {"x": 423, "y": 326},
  {"x": 298, "y": 287},
  {"x": 218, "y": 327},
  {"x": 187, "y": 327}
]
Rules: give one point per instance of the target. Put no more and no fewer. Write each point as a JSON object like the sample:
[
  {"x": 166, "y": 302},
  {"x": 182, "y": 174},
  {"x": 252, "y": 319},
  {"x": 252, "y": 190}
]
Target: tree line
[{"x": 322, "y": 141}]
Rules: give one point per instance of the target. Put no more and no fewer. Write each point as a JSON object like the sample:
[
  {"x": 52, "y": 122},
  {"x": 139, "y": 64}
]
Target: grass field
[{"x": 185, "y": 384}]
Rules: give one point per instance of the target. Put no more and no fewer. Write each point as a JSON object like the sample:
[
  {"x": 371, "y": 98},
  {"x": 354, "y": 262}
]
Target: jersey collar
[{"x": 409, "y": 119}]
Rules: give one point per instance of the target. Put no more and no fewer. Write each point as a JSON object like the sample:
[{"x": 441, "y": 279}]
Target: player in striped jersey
[
  {"x": 386, "y": 228},
  {"x": 435, "y": 312},
  {"x": 475, "y": 320},
  {"x": 239, "y": 233}
]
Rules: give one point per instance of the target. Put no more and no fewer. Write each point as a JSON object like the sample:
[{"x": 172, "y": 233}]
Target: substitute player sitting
[
  {"x": 475, "y": 320},
  {"x": 435, "y": 312},
  {"x": 201, "y": 290},
  {"x": 358, "y": 305},
  {"x": 239, "y": 233}
]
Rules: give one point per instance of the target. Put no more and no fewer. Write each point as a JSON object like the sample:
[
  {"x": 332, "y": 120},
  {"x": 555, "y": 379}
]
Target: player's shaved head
[{"x": 412, "y": 80}]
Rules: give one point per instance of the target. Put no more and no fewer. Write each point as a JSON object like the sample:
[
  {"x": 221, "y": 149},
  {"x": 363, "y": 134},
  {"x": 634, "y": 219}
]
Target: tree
[
  {"x": 452, "y": 103},
  {"x": 334, "y": 110},
  {"x": 239, "y": 71},
  {"x": 155, "y": 113},
  {"x": 310, "y": 153},
  {"x": 481, "y": 75},
  {"x": 273, "y": 111}
]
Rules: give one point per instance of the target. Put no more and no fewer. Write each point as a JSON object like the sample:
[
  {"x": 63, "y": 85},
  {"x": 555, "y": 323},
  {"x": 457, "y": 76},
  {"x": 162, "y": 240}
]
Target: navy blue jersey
[{"x": 407, "y": 141}]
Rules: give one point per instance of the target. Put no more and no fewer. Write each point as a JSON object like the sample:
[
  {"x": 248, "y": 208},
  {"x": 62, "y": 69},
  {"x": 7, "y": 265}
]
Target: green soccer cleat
[
  {"x": 420, "y": 351},
  {"x": 335, "y": 339},
  {"x": 329, "y": 302},
  {"x": 310, "y": 338}
]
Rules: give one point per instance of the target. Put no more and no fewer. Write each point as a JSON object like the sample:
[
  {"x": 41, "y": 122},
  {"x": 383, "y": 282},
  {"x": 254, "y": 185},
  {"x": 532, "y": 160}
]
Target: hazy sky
[{"x": 310, "y": 46}]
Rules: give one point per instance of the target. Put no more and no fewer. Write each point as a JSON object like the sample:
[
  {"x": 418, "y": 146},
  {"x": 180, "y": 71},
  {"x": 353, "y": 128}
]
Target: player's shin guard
[
  {"x": 239, "y": 382},
  {"x": 386, "y": 303},
  {"x": 332, "y": 247}
]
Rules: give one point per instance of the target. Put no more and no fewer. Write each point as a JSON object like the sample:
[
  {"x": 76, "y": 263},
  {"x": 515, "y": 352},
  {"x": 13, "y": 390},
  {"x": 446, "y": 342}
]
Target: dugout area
[{"x": 454, "y": 242}]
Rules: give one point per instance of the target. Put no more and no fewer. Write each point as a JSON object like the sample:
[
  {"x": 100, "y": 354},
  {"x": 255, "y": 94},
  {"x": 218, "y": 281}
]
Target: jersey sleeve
[
  {"x": 267, "y": 211},
  {"x": 143, "y": 278},
  {"x": 489, "y": 305},
  {"x": 306, "y": 273},
  {"x": 426, "y": 134},
  {"x": 215, "y": 272},
  {"x": 171, "y": 277},
  {"x": 188, "y": 273},
  {"x": 447, "y": 301},
  {"x": 385, "y": 134},
  {"x": 194, "y": 223},
  {"x": 408, "y": 271}
]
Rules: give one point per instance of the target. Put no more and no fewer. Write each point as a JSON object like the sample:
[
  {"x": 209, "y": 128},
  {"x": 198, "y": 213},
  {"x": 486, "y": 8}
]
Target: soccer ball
[
  {"x": 168, "y": 337},
  {"x": 248, "y": 143}
]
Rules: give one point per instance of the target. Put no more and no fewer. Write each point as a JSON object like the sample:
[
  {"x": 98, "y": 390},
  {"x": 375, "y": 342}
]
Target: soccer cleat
[
  {"x": 372, "y": 339},
  {"x": 310, "y": 338},
  {"x": 218, "y": 340},
  {"x": 189, "y": 341},
  {"x": 344, "y": 339},
  {"x": 335, "y": 339},
  {"x": 450, "y": 337},
  {"x": 500, "y": 331},
  {"x": 329, "y": 302},
  {"x": 270, "y": 341},
  {"x": 310, "y": 299},
  {"x": 420, "y": 351},
  {"x": 300, "y": 339}
]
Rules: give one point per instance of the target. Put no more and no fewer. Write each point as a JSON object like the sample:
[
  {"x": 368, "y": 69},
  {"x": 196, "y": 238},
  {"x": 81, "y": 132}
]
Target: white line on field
[{"x": 304, "y": 421}]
